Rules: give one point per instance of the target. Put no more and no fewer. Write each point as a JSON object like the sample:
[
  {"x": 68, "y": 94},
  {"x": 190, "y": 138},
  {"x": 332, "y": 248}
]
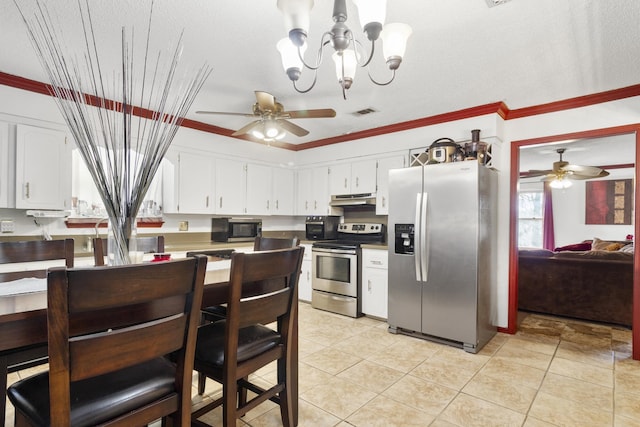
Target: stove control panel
[{"x": 361, "y": 228}]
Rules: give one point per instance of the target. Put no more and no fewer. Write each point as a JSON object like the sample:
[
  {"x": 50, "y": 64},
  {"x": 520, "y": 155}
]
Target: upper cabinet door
[
  {"x": 259, "y": 189},
  {"x": 231, "y": 187},
  {"x": 363, "y": 177},
  {"x": 321, "y": 197},
  {"x": 4, "y": 165},
  {"x": 282, "y": 192},
  {"x": 304, "y": 192},
  {"x": 340, "y": 179},
  {"x": 43, "y": 169},
  {"x": 382, "y": 194},
  {"x": 195, "y": 184}
]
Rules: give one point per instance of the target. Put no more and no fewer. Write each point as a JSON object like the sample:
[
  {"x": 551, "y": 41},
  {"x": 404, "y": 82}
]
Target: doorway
[{"x": 634, "y": 132}]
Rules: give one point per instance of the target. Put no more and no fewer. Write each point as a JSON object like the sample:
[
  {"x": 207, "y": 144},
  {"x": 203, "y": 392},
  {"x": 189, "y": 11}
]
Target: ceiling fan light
[
  {"x": 258, "y": 134},
  {"x": 394, "y": 40},
  {"x": 372, "y": 15},
  {"x": 271, "y": 131},
  {"x": 560, "y": 183},
  {"x": 280, "y": 135}
]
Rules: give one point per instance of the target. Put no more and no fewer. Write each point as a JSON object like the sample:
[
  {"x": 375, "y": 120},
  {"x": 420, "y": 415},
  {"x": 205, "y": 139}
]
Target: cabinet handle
[
  {"x": 308, "y": 275},
  {"x": 220, "y": 201},
  {"x": 376, "y": 262},
  {"x": 369, "y": 285},
  {"x": 306, "y": 205},
  {"x": 27, "y": 192},
  {"x": 267, "y": 205},
  {"x": 384, "y": 202},
  {"x": 315, "y": 204},
  {"x": 277, "y": 206},
  {"x": 207, "y": 202},
  {"x": 357, "y": 182},
  {"x": 345, "y": 183}
]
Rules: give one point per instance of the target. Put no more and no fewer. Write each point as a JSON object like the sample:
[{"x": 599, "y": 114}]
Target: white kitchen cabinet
[
  {"x": 313, "y": 195},
  {"x": 195, "y": 184},
  {"x": 282, "y": 191},
  {"x": 375, "y": 282},
  {"x": 43, "y": 168},
  {"x": 304, "y": 285},
  {"x": 4, "y": 165},
  {"x": 231, "y": 187},
  {"x": 382, "y": 193},
  {"x": 353, "y": 178},
  {"x": 259, "y": 188}
]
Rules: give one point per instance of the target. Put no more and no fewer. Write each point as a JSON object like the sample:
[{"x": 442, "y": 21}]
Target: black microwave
[
  {"x": 235, "y": 229},
  {"x": 322, "y": 227}
]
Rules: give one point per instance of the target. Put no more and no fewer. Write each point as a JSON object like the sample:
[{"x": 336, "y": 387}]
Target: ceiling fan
[
  {"x": 563, "y": 171},
  {"x": 273, "y": 120}
]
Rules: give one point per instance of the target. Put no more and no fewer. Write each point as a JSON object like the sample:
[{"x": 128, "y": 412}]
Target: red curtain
[{"x": 548, "y": 239}]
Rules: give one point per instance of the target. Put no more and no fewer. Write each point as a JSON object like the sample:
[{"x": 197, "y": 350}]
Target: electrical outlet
[{"x": 6, "y": 226}]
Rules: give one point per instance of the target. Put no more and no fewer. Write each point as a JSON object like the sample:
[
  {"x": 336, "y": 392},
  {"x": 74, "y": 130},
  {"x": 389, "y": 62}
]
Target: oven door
[{"x": 335, "y": 271}]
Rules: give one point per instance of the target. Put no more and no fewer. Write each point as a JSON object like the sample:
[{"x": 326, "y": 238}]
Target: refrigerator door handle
[
  {"x": 418, "y": 237},
  {"x": 424, "y": 251}
]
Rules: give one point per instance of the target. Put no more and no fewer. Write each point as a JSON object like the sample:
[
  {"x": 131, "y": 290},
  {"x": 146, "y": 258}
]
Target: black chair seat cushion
[
  {"x": 98, "y": 399},
  {"x": 252, "y": 340},
  {"x": 216, "y": 311}
]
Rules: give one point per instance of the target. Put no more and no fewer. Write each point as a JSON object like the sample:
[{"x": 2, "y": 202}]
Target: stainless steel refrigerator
[{"x": 442, "y": 252}]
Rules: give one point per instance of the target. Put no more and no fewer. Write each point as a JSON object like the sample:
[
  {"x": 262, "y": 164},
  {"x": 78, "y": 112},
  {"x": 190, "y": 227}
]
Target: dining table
[{"x": 23, "y": 322}]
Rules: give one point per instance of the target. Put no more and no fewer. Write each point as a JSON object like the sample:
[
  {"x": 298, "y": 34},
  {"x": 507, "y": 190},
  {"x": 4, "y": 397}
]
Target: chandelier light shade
[
  {"x": 348, "y": 51},
  {"x": 394, "y": 43}
]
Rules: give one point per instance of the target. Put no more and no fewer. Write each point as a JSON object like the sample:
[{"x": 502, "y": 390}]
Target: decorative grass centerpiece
[{"x": 123, "y": 120}]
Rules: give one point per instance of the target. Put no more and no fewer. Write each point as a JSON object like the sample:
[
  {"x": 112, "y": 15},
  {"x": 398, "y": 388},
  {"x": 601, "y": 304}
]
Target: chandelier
[{"x": 349, "y": 52}]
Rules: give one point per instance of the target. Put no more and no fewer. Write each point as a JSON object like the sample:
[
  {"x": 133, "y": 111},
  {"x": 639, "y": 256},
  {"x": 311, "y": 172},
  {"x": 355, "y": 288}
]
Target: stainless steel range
[{"x": 337, "y": 268}]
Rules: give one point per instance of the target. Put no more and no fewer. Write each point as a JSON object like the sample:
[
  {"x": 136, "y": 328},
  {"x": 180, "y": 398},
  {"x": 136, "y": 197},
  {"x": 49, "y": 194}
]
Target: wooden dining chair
[
  {"x": 111, "y": 330},
  {"x": 147, "y": 244},
  {"x": 215, "y": 313},
  {"x": 27, "y": 254},
  {"x": 229, "y": 350},
  {"x": 270, "y": 243}
]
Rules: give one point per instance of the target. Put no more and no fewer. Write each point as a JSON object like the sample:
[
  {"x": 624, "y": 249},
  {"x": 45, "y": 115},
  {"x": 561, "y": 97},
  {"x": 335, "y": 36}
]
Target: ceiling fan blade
[
  {"x": 309, "y": 114},
  {"x": 226, "y": 113},
  {"x": 534, "y": 173},
  {"x": 590, "y": 171},
  {"x": 266, "y": 101},
  {"x": 292, "y": 128},
  {"x": 247, "y": 128},
  {"x": 574, "y": 175}
]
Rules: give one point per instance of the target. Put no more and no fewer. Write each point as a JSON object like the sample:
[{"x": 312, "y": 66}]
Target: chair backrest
[
  {"x": 147, "y": 244},
  {"x": 271, "y": 243},
  {"x": 103, "y": 319},
  {"x": 34, "y": 251},
  {"x": 271, "y": 303}
]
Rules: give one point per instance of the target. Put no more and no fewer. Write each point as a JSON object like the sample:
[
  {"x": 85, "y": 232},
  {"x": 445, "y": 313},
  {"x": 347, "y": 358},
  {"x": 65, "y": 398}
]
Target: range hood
[{"x": 341, "y": 200}]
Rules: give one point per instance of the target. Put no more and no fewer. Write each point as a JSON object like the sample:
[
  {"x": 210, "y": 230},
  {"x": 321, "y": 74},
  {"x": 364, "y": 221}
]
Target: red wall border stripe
[{"x": 499, "y": 108}]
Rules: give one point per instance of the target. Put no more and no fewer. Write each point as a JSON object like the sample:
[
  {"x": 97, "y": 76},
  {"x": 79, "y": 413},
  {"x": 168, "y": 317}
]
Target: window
[{"x": 530, "y": 218}]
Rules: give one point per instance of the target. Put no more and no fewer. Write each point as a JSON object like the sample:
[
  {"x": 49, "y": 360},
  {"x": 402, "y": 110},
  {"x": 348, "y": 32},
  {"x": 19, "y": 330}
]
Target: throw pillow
[
  {"x": 599, "y": 245},
  {"x": 614, "y": 247},
  {"x": 627, "y": 248}
]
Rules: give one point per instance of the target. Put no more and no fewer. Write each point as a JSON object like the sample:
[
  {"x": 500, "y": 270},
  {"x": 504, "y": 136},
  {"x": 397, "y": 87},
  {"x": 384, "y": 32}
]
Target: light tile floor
[{"x": 553, "y": 372}]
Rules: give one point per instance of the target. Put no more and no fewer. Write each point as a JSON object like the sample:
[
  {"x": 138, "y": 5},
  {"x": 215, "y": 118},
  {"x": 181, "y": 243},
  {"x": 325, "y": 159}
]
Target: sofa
[{"x": 592, "y": 285}]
